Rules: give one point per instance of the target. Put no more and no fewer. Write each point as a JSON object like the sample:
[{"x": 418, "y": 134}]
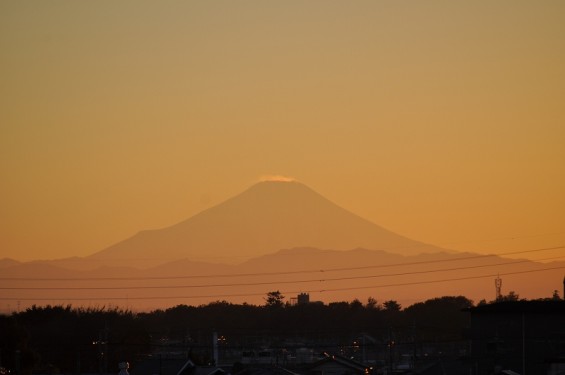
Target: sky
[{"x": 442, "y": 121}]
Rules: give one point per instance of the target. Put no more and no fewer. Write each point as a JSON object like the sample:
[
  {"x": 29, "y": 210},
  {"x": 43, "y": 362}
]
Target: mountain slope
[{"x": 267, "y": 217}]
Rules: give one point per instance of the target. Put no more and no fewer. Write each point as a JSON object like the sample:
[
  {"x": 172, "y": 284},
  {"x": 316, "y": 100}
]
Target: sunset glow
[
  {"x": 440, "y": 122},
  {"x": 278, "y": 178}
]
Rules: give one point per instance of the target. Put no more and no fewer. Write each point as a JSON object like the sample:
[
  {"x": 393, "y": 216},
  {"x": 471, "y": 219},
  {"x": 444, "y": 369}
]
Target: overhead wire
[
  {"x": 349, "y": 278},
  {"x": 399, "y": 264},
  {"x": 227, "y": 295},
  {"x": 285, "y": 292}
]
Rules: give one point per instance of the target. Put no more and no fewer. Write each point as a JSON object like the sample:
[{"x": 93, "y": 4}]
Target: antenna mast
[{"x": 498, "y": 286}]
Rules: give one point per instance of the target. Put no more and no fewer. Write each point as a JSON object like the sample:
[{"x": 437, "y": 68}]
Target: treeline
[
  {"x": 443, "y": 314},
  {"x": 63, "y": 339}
]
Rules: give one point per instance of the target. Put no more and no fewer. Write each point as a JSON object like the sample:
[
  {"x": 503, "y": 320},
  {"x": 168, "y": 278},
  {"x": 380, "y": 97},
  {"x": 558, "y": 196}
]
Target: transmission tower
[{"x": 498, "y": 286}]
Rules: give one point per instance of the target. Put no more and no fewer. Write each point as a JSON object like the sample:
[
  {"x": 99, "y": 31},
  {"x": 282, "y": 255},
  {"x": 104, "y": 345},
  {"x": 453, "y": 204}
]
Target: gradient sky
[{"x": 443, "y": 121}]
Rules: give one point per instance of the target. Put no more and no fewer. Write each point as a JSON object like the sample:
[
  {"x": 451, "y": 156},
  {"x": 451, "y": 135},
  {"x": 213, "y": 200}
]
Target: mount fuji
[{"x": 267, "y": 217}]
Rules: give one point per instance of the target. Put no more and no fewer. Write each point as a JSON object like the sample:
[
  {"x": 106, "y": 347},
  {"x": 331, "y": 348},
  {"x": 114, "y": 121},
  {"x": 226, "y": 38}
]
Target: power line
[
  {"x": 280, "y": 272},
  {"x": 284, "y": 292},
  {"x": 275, "y": 282},
  {"x": 442, "y": 280}
]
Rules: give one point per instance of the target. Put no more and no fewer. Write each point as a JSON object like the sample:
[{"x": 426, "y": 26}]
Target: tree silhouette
[
  {"x": 391, "y": 306},
  {"x": 274, "y": 299},
  {"x": 511, "y": 296},
  {"x": 372, "y": 304}
]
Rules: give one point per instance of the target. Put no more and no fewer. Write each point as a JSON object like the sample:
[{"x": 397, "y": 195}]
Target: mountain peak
[
  {"x": 278, "y": 186},
  {"x": 277, "y": 183},
  {"x": 276, "y": 178},
  {"x": 270, "y": 215}
]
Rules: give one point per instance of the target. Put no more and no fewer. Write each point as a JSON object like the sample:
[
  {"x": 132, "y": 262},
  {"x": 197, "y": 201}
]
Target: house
[
  {"x": 163, "y": 366},
  {"x": 517, "y": 337},
  {"x": 337, "y": 365},
  {"x": 267, "y": 370}
]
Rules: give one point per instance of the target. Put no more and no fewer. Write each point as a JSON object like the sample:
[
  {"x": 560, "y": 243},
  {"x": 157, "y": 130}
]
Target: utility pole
[
  {"x": 390, "y": 345},
  {"x": 78, "y": 362},
  {"x": 18, "y": 362},
  {"x": 415, "y": 346},
  {"x": 523, "y": 343},
  {"x": 100, "y": 352},
  {"x": 215, "y": 348},
  {"x": 363, "y": 352},
  {"x": 102, "y": 344},
  {"x": 106, "y": 349}
]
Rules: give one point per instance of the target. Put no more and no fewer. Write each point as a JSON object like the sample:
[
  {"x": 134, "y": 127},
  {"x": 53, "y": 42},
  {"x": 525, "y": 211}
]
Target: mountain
[{"x": 267, "y": 217}]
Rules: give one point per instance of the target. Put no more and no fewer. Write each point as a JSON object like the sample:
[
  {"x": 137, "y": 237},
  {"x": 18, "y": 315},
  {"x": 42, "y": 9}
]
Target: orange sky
[{"x": 442, "y": 121}]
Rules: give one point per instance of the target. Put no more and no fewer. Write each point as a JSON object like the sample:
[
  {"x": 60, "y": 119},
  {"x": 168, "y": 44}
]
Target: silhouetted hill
[
  {"x": 267, "y": 217},
  {"x": 7, "y": 262},
  {"x": 37, "y": 268},
  {"x": 187, "y": 267},
  {"x": 328, "y": 275},
  {"x": 317, "y": 259}
]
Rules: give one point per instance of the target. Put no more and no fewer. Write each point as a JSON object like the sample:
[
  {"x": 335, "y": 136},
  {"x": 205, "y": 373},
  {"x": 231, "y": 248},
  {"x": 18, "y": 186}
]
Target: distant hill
[
  {"x": 7, "y": 262},
  {"x": 328, "y": 275},
  {"x": 267, "y": 217}
]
